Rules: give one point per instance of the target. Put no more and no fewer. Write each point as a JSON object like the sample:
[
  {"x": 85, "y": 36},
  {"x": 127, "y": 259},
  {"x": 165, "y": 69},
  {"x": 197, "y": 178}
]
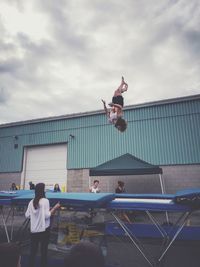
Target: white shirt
[
  {"x": 40, "y": 217},
  {"x": 94, "y": 189},
  {"x": 113, "y": 117}
]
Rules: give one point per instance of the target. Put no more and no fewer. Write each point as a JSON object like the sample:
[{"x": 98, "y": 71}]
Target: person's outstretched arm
[
  {"x": 53, "y": 210},
  {"x": 105, "y": 108}
]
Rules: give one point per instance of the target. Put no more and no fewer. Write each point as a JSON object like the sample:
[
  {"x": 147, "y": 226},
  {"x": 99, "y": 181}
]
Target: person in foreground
[
  {"x": 85, "y": 254},
  {"x": 39, "y": 213},
  {"x": 115, "y": 114},
  {"x": 10, "y": 255}
]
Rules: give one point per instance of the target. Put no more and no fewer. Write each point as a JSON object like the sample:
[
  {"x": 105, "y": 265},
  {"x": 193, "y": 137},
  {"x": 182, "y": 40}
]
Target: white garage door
[{"x": 46, "y": 164}]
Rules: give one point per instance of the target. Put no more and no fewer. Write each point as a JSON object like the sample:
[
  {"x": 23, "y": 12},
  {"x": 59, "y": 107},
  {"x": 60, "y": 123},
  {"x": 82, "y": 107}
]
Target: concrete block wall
[
  {"x": 6, "y": 179},
  {"x": 175, "y": 178},
  {"x": 181, "y": 177},
  {"x": 78, "y": 180},
  {"x": 133, "y": 184}
]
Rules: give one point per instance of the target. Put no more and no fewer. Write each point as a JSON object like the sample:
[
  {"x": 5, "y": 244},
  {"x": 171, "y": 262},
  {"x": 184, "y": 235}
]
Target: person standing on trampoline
[{"x": 115, "y": 113}]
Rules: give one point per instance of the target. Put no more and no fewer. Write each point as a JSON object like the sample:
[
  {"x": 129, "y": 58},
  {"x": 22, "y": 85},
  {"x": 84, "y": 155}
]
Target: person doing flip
[{"x": 115, "y": 113}]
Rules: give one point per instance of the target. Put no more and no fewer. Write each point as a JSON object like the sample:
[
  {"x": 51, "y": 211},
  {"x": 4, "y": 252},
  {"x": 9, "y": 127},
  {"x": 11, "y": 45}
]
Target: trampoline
[{"x": 184, "y": 203}]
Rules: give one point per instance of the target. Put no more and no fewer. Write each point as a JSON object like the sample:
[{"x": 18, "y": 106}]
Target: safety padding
[
  {"x": 188, "y": 197},
  {"x": 71, "y": 200}
]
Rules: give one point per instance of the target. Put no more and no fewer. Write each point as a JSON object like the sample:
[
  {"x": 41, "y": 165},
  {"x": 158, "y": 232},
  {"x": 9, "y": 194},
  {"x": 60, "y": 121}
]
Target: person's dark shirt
[
  {"x": 32, "y": 186},
  {"x": 57, "y": 189},
  {"x": 119, "y": 190}
]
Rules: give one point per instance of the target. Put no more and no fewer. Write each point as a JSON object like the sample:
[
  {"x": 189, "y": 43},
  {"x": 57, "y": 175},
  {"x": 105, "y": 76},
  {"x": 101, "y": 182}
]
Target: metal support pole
[
  {"x": 175, "y": 236},
  {"x": 134, "y": 242},
  {"x": 163, "y": 190},
  {"x": 4, "y": 224},
  {"x": 155, "y": 222}
]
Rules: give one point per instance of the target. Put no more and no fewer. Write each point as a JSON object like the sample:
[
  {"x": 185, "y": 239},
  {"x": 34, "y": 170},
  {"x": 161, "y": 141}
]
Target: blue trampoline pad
[
  {"x": 146, "y": 204},
  {"x": 188, "y": 197},
  {"x": 188, "y": 192},
  {"x": 13, "y": 194},
  {"x": 184, "y": 200},
  {"x": 79, "y": 200},
  {"x": 142, "y": 230},
  {"x": 146, "y": 196},
  {"x": 5, "y": 202}
]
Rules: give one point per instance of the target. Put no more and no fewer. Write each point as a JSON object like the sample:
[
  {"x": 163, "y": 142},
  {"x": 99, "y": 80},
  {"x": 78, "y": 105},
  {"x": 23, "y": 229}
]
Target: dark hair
[
  {"x": 96, "y": 181},
  {"x": 56, "y": 188},
  {"x": 85, "y": 254},
  {"x": 9, "y": 254},
  {"x": 121, "y": 124},
  {"x": 120, "y": 183},
  {"x": 13, "y": 186},
  {"x": 39, "y": 193}
]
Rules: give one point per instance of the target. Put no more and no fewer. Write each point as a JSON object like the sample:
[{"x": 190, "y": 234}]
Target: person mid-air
[{"x": 115, "y": 113}]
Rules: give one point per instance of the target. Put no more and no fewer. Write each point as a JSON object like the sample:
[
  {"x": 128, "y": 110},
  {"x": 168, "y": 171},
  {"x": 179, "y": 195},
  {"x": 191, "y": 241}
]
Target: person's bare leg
[
  {"x": 119, "y": 89},
  {"x": 122, "y": 88}
]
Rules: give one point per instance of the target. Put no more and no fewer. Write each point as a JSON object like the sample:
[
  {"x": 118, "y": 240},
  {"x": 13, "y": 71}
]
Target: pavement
[
  {"x": 119, "y": 252},
  {"x": 51, "y": 262}
]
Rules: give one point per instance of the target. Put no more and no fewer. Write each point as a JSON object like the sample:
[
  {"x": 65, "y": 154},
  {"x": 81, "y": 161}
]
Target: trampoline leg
[
  {"x": 5, "y": 226},
  {"x": 160, "y": 229},
  {"x": 128, "y": 234},
  {"x": 12, "y": 224},
  {"x": 163, "y": 190},
  {"x": 175, "y": 236}
]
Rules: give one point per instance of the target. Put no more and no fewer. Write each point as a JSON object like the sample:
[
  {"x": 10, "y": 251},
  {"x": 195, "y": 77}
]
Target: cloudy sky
[{"x": 61, "y": 57}]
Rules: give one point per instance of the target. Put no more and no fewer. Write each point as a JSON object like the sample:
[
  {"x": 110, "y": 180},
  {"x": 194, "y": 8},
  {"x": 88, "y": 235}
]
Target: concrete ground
[{"x": 125, "y": 255}]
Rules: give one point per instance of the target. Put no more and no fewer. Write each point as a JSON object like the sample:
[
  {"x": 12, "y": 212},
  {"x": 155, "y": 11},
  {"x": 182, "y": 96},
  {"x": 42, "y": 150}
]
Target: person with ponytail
[{"x": 39, "y": 213}]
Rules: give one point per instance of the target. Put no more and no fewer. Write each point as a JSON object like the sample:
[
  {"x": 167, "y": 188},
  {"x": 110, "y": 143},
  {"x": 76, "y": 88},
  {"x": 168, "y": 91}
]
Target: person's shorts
[{"x": 118, "y": 100}]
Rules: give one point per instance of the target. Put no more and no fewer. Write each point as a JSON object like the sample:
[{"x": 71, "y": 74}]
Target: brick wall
[
  {"x": 175, "y": 178},
  {"x": 181, "y": 177},
  {"x": 6, "y": 179},
  {"x": 78, "y": 180}
]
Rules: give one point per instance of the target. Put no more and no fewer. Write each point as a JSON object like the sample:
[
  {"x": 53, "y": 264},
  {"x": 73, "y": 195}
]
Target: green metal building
[{"x": 62, "y": 149}]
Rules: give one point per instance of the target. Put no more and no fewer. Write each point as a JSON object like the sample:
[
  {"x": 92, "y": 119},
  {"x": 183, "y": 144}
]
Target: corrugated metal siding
[
  {"x": 10, "y": 158},
  {"x": 160, "y": 134}
]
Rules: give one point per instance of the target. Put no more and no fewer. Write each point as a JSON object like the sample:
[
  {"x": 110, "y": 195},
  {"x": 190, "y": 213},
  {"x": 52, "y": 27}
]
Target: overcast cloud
[{"x": 62, "y": 57}]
